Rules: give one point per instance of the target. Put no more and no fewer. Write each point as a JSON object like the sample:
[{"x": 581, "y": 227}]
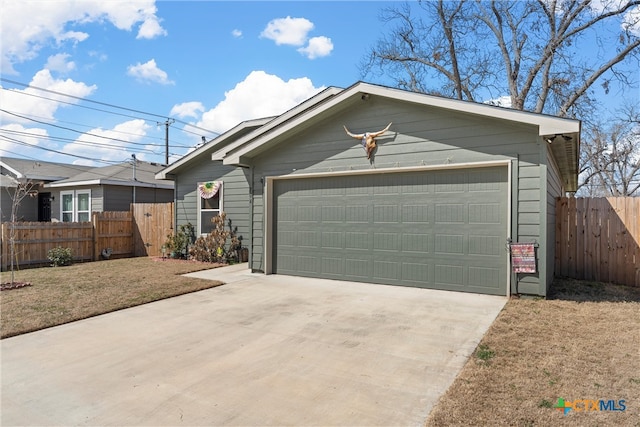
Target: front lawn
[
  {"x": 60, "y": 295},
  {"x": 583, "y": 343}
]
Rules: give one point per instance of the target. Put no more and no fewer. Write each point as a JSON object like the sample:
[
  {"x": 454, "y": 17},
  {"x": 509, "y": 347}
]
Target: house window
[
  {"x": 209, "y": 205},
  {"x": 75, "y": 206}
]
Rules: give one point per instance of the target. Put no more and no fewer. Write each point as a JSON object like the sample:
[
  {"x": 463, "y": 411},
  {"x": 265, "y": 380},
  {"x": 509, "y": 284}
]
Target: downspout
[{"x": 251, "y": 196}]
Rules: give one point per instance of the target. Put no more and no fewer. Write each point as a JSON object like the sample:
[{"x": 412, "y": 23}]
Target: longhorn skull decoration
[{"x": 367, "y": 139}]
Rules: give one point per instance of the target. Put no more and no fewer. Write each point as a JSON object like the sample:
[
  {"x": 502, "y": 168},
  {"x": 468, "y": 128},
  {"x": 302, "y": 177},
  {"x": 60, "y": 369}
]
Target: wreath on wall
[{"x": 209, "y": 189}]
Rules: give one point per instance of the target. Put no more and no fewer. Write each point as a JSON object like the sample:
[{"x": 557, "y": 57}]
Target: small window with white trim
[
  {"x": 75, "y": 206},
  {"x": 209, "y": 205}
]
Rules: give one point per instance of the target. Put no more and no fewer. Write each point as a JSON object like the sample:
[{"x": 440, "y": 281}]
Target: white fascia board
[
  {"x": 164, "y": 173},
  {"x": 12, "y": 170},
  {"x": 309, "y": 104},
  {"x": 546, "y": 124},
  {"x": 109, "y": 182}
]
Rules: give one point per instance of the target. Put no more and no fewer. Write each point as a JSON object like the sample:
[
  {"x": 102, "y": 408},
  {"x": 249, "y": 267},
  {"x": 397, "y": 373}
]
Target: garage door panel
[
  {"x": 485, "y": 277},
  {"x": 417, "y": 214},
  {"x": 357, "y": 268},
  {"x": 357, "y": 214},
  {"x": 485, "y": 180},
  {"x": 332, "y": 214},
  {"x": 333, "y": 240},
  {"x": 438, "y": 229},
  {"x": 357, "y": 241},
  {"x": 485, "y": 245},
  {"x": 450, "y": 275},
  {"x": 419, "y": 243},
  {"x": 452, "y": 244},
  {"x": 417, "y": 273},
  {"x": 333, "y": 266},
  {"x": 387, "y": 213},
  {"x": 484, "y": 213}
]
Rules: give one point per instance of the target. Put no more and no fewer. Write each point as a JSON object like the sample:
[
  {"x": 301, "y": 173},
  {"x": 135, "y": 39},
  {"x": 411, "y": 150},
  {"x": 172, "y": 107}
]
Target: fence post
[
  {"x": 94, "y": 234},
  {"x": 3, "y": 248}
]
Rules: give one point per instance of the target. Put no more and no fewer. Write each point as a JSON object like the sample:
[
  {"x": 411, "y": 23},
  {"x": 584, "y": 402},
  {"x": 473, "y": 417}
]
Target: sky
[
  {"x": 95, "y": 82},
  {"x": 208, "y": 65}
]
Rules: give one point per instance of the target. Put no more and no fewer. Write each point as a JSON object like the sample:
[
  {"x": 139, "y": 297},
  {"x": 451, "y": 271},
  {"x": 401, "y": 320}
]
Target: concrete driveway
[{"x": 260, "y": 350}]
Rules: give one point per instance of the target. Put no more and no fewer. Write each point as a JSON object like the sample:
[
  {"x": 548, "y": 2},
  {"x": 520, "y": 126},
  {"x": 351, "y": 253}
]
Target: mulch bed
[{"x": 15, "y": 285}]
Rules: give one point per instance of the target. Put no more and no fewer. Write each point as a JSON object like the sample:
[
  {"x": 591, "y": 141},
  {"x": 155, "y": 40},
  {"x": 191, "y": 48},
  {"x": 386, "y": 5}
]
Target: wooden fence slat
[
  {"x": 114, "y": 230},
  {"x": 598, "y": 239}
]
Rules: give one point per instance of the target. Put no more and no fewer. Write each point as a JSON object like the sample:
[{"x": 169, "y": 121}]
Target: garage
[
  {"x": 438, "y": 229},
  {"x": 380, "y": 185}
]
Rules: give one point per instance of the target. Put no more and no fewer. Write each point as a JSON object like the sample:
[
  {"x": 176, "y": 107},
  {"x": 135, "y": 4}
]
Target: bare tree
[
  {"x": 547, "y": 55},
  {"x": 23, "y": 188},
  {"x": 611, "y": 157}
]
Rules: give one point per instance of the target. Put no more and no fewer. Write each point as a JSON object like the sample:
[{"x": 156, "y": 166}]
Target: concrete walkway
[{"x": 260, "y": 350}]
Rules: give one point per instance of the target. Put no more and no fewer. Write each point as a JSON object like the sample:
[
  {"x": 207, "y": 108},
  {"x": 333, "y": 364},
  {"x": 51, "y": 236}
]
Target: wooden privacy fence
[
  {"x": 152, "y": 223},
  {"x": 138, "y": 232},
  {"x": 598, "y": 239}
]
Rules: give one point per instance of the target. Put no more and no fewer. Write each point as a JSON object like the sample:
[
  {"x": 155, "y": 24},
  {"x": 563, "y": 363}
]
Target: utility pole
[{"x": 166, "y": 124}]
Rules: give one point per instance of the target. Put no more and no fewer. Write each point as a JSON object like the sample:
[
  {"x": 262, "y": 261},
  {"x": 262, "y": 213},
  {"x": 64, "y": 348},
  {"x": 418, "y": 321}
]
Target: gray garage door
[{"x": 436, "y": 229}]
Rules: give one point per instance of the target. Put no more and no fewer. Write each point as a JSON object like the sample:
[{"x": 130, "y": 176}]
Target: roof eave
[
  {"x": 300, "y": 109},
  {"x": 110, "y": 182},
  {"x": 218, "y": 141}
]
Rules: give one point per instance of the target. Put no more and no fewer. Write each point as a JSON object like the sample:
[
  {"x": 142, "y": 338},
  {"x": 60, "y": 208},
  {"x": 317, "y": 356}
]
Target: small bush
[
  {"x": 177, "y": 244},
  {"x": 221, "y": 245},
  {"x": 60, "y": 256}
]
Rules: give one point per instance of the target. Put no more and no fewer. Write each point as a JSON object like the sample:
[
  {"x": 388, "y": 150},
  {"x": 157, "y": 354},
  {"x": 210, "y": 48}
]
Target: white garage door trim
[{"x": 269, "y": 202}]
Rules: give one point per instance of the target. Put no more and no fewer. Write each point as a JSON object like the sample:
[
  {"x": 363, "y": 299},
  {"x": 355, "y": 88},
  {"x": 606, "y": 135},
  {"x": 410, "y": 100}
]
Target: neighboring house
[
  {"x": 449, "y": 186},
  {"x": 108, "y": 188},
  {"x": 70, "y": 192},
  {"x": 38, "y": 206}
]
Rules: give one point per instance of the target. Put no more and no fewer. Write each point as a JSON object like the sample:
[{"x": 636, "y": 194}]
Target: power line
[
  {"x": 74, "y": 141},
  {"x": 4, "y": 79},
  {"x": 73, "y": 130},
  {"x": 55, "y": 151},
  {"x": 178, "y": 144},
  {"x": 72, "y": 166}
]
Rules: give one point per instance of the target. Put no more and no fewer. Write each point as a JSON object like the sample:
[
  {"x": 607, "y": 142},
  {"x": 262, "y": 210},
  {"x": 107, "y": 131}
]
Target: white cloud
[
  {"x": 187, "y": 109},
  {"x": 501, "y": 101},
  {"x": 27, "y": 26},
  {"x": 60, "y": 63},
  {"x": 28, "y": 137},
  {"x": 631, "y": 21},
  {"x": 294, "y": 32},
  {"x": 258, "y": 95},
  {"x": 236, "y": 33},
  {"x": 288, "y": 31},
  {"x": 150, "y": 29},
  {"x": 44, "y": 104},
  {"x": 149, "y": 73},
  {"x": 103, "y": 147},
  {"x": 317, "y": 47}
]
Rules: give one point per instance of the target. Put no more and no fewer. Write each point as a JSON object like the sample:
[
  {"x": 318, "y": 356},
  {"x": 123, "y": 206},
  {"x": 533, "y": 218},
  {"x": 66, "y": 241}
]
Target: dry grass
[
  {"x": 582, "y": 343},
  {"x": 60, "y": 295}
]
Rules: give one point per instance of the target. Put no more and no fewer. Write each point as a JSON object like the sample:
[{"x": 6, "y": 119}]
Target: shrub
[
  {"x": 214, "y": 247},
  {"x": 178, "y": 243},
  {"x": 60, "y": 256}
]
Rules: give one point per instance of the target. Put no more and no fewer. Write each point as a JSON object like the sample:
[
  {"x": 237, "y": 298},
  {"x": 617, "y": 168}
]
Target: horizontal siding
[
  {"x": 235, "y": 197},
  {"x": 419, "y": 136},
  {"x": 554, "y": 190},
  {"x": 118, "y": 198}
]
